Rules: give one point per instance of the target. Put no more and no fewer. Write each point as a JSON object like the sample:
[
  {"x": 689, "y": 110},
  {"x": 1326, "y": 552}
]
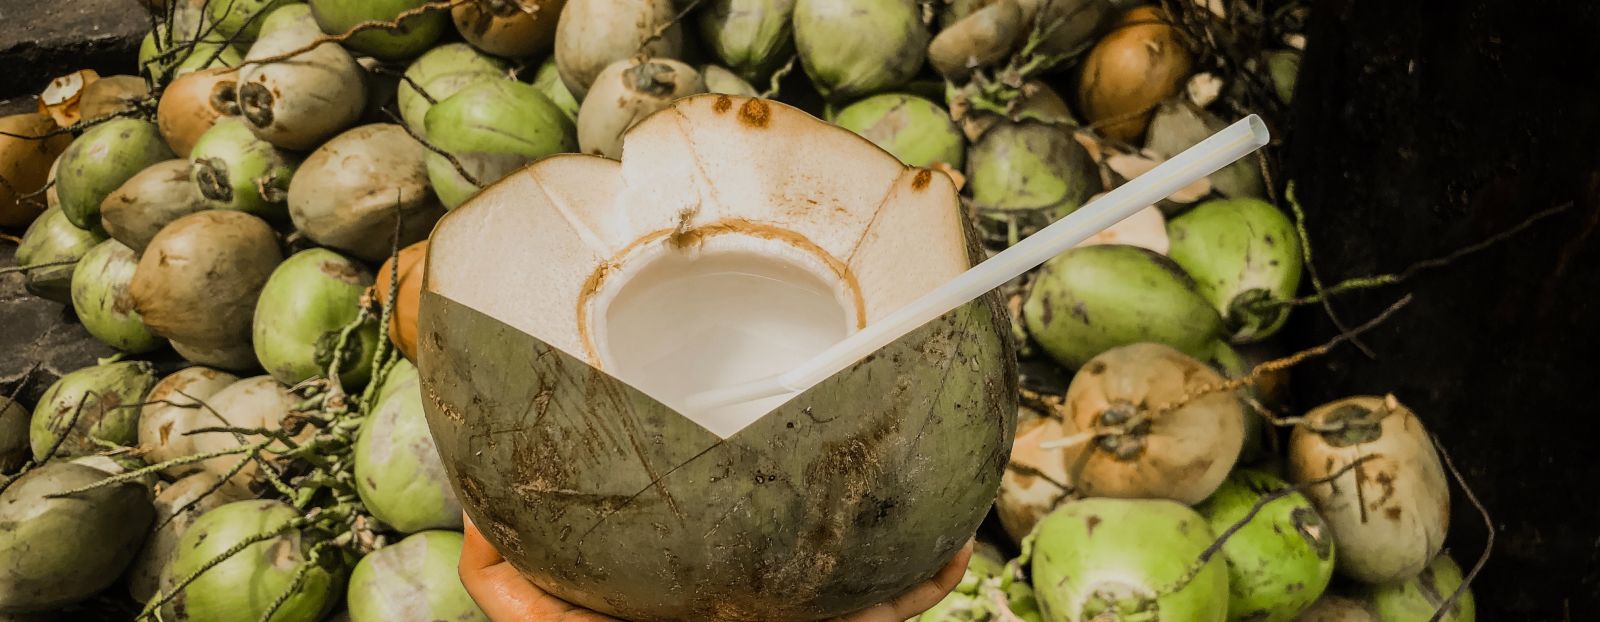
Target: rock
[{"x": 41, "y": 40}]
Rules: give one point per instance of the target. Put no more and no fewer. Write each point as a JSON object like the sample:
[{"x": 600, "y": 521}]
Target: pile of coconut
[{"x": 373, "y": 265}]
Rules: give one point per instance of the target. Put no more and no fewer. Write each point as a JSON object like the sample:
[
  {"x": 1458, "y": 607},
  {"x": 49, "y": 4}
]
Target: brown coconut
[
  {"x": 176, "y": 399},
  {"x": 403, "y": 321},
  {"x": 1135, "y": 67},
  {"x": 112, "y": 95},
  {"x": 509, "y": 28},
  {"x": 25, "y": 164},
  {"x": 198, "y": 280},
  {"x": 1036, "y": 479},
  {"x": 193, "y": 103},
  {"x": 150, "y": 200},
  {"x": 349, "y": 192}
]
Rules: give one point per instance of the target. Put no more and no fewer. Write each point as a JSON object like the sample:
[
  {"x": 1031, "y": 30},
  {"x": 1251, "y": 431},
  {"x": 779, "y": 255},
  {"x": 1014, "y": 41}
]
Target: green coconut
[
  {"x": 1417, "y": 599},
  {"x": 233, "y": 169},
  {"x": 987, "y": 592},
  {"x": 594, "y": 34},
  {"x": 1244, "y": 254},
  {"x": 256, "y": 402},
  {"x": 626, "y": 92},
  {"x": 304, "y": 308},
  {"x": 1125, "y": 559},
  {"x": 914, "y": 129},
  {"x": 492, "y": 127},
  {"x": 1281, "y": 560},
  {"x": 1026, "y": 175},
  {"x": 100, "y": 298},
  {"x": 173, "y": 407},
  {"x": 198, "y": 280},
  {"x": 165, "y": 57},
  {"x": 981, "y": 39},
  {"x": 148, "y": 201},
  {"x": 298, "y": 104},
  {"x": 854, "y": 48},
  {"x": 1094, "y": 298},
  {"x": 55, "y": 551},
  {"x": 1334, "y": 608},
  {"x": 244, "y": 20},
  {"x": 1035, "y": 101},
  {"x": 49, "y": 252},
  {"x": 720, "y": 80},
  {"x": 176, "y": 508},
  {"x": 548, "y": 81},
  {"x": 440, "y": 73},
  {"x": 751, "y": 37},
  {"x": 100, "y": 161},
  {"x": 13, "y": 435},
  {"x": 398, "y": 472},
  {"x": 1178, "y": 125},
  {"x": 105, "y": 399},
  {"x": 238, "y": 357},
  {"x": 1284, "y": 68},
  {"x": 415, "y": 34},
  {"x": 244, "y": 587},
  {"x": 348, "y": 193},
  {"x": 413, "y": 579},
  {"x": 846, "y": 494}
]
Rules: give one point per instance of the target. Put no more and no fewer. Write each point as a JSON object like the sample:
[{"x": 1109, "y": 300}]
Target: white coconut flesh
[{"x": 737, "y": 238}]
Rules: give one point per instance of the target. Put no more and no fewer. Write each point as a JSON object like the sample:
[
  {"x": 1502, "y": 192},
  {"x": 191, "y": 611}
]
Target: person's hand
[{"x": 505, "y": 596}]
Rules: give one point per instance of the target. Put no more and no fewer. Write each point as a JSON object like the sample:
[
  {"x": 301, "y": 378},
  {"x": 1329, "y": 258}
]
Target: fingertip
[{"x": 476, "y": 552}]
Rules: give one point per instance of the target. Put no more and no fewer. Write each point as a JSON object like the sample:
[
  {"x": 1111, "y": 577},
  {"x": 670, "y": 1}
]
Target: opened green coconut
[
  {"x": 594, "y": 34},
  {"x": 233, "y": 169},
  {"x": 1280, "y": 561},
  {"x": 1419, "y": 598},
  {"x": 13, "y": 435},
  {"x": 244, "y": 587},
  {"x": 1127, "y": 559},
  {"x": 1390, "y": 513},
  {"x": 398, "y": 472},
  {"x": 90, "y": 406},
  {"x": 304, "y": 308},
  {"x": 852, "y": 48},
  {"x": 914, "y": 129},
  {"x": 413, "y": 579},
  {"x": 100, "y": 298},
  {"x": 413, "y": 36},
  {"x": 693, "y": 264},
  {"x": 1027, "y": 175},
  {"x": 170, "y": 408},
  {"x": 55, "y": 551},
  {"x": 49, "y": 252},
  {"x": 148, "y": 201},
  {"x": 626, "y": 92},
  {"x": 1244, "y": 255},
  {"x": 751, "y": 37},
  {"x": 198, "y": 280},
  {"x": 548, "y": 81},
  {"x": 349, "y": 192},
  {"x": 440, "y": 73},
  {"x": 299, "y": 104},
  {"x": 100, "y": 160},
  {"x": 492, "y": 127},
  {"x": 176, "y": 508}
]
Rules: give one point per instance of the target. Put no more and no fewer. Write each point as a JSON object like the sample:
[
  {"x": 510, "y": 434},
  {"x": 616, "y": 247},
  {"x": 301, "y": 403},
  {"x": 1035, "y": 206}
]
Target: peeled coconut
[
  {"x": 299, "y": 103},
  {"x": 1036, "y": 479},
  {"x": 627, "y": 92},
  {"x": 25, "y": 164},
  {"x": 349, "y": 192},
  {"x": 440, "y": 73},
  {"x": 1333, "y": 608},
  {"x": 737, "y": 238},
  {"x": 548, "y": 81},
  {"x": 243, "y": 20},
  {"x": 193, "y": 103},
  {"x": 1243, "y": 255},
  {"x": 100, "y": 298},
  {"x": 1178, "y": 124},
  {"x": 983, "y": 38},
  {"x": 48, "y": 242},
  {"x": 413, "y": 579},
  {"x": 1281, "y": 560},
  {"x": 1123, "y": 559},
  {"x": 414, "y": 35},
  {"x": 1026, "y": 175},
  {"x": 593, "y": 34},
  {"x": 1135, "y": 67},
  {"x": 61, "y": 550},
  {"x": 509, "y": 28},
  {"x": 304, "y": 307},
  {"x": 176, "y": 508},
  {"x": 1094, "y": 298},
  {"x": 492, "y": 127},
  {"x": 13, "y": 435},
  {"x": 198, "y": 280},
  {"x": 149, "y": 201},
  {"x": 1390, "y": 513},
  {"x": 106, "y": 401},
  {"x": 233, "y": 169},
  {"x": 408, "y": 265},
  {"x": 397, "y": 467},
  {"x": 1144, "y": 447},
  {"x": 1417, "y": 599},
  {"x": 852, "y": 48},
  {"x": 256, "y": 402},
  {"x": 243, "y": 587},
  {"x": 720, "y": 80},
  {"x": 98, "y": 163},
  {"x": 916, "y": 130},
  {"x": 752, "y": 37},
  {"x": 174, "y": 406}
]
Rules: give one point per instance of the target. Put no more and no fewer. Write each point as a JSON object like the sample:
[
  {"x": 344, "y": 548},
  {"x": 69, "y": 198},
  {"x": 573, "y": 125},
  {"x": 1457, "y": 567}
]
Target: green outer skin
[
  {"x": 452, "y": 188},
  {"x": 249, "y": 164},
  {"x": 144, "y": 574},
  {"x": 413, "y": 36},
  {"x": 1178, "y": 125},
  {"x": 395, "y": 379},
  {"x": 13, "y": 435},
  {"x": 852, "y": 48},
  {"x": 548, "y": 81},
  {"x": 100, "y": 160},
  {"x": 243, "y": 587},
  {"x": 751, "y": 37},
  {"x": 1024, "y": 176},
  {"x": 1284, "y": 68},
  {"x": 1094, "y": 298},
  {"x": 1116, "y": 541},
  {"x": 414, "y": 579},
  {"x": 1278, "y": 563},
  {"x": 398, "y": 471},
  {"x": 719, "y": 79},
  {"x": 52, "y": 238},
  {"x": 916, "y": 130},
  {"x": 62, "y": 550},
  {"x": 1416, "y": 599},
  {"x": 1232, "y": 364},
  {"x": 110, "y": 414},
  {"x": 298, "y": 105},
  {"x": 461, "y": 63},
  {"x": 307, "y": 301},
  {"x": 1236, "y": 249},
  {"x": 238, "y": 16},
  {"x": 100, "y": 298},
  {"x": 493, "y": 127},
  {"x": 164, "y": 71}
]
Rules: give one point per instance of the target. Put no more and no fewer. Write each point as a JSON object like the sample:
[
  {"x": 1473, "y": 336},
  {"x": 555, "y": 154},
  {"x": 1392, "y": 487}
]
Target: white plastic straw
[{"x": 1221, "y": 149}]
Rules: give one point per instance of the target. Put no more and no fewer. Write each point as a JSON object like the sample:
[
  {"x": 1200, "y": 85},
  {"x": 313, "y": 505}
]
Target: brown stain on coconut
[
  {"x": 755, "y": 113},
  {"x": 722, "y": 104},
  {"x": 920, "y": 182}
]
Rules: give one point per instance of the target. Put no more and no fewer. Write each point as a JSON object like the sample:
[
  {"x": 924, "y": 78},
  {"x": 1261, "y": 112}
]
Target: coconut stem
[
  {"x": 211, "y": 175},
  {"x": 162, "y": 597},
  {"x": 155, "y": 468},
  {"x": 255, "y": 104},
  {"x": 654, "y": 79}
]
